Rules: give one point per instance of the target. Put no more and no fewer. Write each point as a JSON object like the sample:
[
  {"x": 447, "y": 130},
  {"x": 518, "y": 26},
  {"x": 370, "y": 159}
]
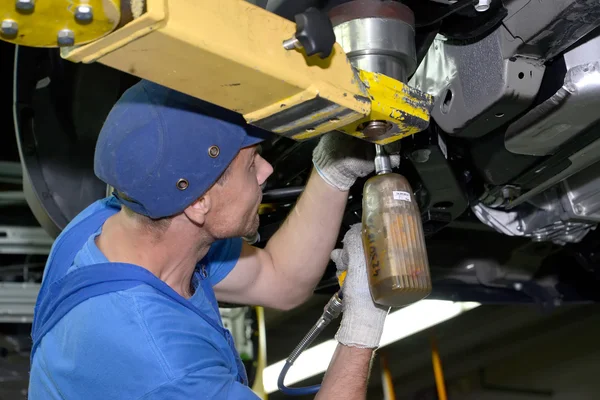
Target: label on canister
[{"x": 400, "y": 195}]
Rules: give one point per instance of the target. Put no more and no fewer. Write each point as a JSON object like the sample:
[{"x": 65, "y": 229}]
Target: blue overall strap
[
  {"x": 95, "y": 280},
  {"x": 209, "y": 293},
  {"x": 68, "y": 244}
]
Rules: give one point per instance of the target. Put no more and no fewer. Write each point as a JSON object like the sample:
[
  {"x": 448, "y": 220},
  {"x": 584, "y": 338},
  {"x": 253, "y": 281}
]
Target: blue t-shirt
[{"x": 138, "y": 343}]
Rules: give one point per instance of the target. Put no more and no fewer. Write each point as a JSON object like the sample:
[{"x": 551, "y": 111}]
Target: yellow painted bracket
[
  {"x": 37, "y": 23},
  {"x": 405, "y": 109},
  {"x": 230, "y": 53}
]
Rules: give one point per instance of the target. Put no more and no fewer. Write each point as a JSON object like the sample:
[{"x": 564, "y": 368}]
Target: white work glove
[
  {"x": 362, "y": 319},
  {"x": 340, "y": 159}
]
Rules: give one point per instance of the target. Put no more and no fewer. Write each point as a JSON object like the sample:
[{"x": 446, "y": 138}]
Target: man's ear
[{"x": 198, "y": 209}]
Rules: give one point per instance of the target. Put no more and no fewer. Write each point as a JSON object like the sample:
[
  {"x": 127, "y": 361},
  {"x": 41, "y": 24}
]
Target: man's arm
[
  {"x": 284, "y": 274},
  {"x": 361, "y": 327},
  {"x": 347, "y": 375}
]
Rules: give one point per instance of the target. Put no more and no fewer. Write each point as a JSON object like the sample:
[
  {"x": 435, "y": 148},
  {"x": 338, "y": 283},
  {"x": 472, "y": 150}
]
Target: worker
[{"x": 128, "y": 304}]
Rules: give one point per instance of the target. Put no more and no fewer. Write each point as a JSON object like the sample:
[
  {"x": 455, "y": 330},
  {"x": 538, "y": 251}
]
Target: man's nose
[{"x": 264, "y": 170}]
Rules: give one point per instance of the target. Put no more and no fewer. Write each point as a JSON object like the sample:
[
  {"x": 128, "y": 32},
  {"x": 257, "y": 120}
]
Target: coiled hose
[{"x": 332, "y": 310}]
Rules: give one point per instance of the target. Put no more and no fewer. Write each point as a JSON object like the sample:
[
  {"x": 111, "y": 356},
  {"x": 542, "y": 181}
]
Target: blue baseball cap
[{"x": 164, "y": 149}]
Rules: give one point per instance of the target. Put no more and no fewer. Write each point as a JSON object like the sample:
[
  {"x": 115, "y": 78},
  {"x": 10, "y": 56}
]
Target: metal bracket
[
  {"x": 24, "y": 240},
  {"x": 17, "y": 301}
]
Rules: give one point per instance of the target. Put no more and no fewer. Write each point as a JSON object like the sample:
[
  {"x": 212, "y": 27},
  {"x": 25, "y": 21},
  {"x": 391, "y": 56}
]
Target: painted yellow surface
[
  {"x": 407, "y": 109},
  {"x": 230, "y": 53},
  {"x": 39, "y": 28}
]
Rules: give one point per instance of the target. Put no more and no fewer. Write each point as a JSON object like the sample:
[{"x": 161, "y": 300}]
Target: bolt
[
  {"x": 84, "y": 14},
  {"x": 24, "y": 5},
  {"x": 483, "y": 5},
  {"x": 518, "y": 286},
  {"x": 292, "y": 43},
  {"x": 66, "y": 37},
  {"x": 421, "y": 156},
  {"x": 9, "y": 28},
  {"x": 578, "y": 209}
]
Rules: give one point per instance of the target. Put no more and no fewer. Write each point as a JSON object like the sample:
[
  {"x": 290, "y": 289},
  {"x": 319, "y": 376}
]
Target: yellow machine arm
[{"x": 230, "y": 53}]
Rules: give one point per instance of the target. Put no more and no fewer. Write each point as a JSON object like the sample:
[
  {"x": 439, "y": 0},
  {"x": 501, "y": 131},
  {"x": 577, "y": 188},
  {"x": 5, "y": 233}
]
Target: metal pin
[
  {"x": 66, "y": 37},
  {"x": 383, "y": 165},
  {"x": 483, "y": 5},
  {"x": 292, "y": 43},
  {"x": 84, "y": 14},
  {"x": 24, "y": 5},
  {"x": 9, "y": 28}
]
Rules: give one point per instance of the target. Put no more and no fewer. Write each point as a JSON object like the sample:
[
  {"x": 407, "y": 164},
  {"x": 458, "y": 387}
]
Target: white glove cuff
[
  {"x": 362, "y": 328},
  {"x": 329, "y": 171}
]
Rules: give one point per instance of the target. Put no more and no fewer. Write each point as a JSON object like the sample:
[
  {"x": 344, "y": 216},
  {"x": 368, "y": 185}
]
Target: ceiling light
[{"x": 398, "y": 325}]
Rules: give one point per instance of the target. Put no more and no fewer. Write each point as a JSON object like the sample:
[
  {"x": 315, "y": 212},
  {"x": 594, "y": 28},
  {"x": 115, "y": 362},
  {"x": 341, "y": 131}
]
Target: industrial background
[{"x": 493, "y": 106}]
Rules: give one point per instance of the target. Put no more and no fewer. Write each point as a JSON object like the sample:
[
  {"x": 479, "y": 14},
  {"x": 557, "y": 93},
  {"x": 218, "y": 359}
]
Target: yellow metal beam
[{"x": 230, "y": 53}]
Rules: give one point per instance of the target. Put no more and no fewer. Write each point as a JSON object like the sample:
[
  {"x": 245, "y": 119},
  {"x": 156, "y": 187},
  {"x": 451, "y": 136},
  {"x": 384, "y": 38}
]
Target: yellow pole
[
  {"x": 438, "y": 371},
  {"x": 386, "y": 379}
]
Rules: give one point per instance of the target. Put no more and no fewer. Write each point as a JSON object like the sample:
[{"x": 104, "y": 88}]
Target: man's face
[{"x": 236, "y": 199}]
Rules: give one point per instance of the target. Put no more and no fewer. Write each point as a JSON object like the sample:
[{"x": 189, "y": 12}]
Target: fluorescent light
[{"x": 398, "y": 325}]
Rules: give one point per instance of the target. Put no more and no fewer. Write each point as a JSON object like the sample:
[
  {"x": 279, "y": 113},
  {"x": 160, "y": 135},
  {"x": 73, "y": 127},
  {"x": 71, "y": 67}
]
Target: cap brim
[{"x": 254, "y": 136}]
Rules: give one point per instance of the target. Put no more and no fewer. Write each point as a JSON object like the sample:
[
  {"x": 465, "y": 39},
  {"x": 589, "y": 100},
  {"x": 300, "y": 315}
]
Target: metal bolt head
[
  {"x": 24, "y": 5},
  {"x": 579, "y": 209},
  {"x": 518, "y": 286},
  {"x": 292, "y": 43},
  {"x": 9, "y": 28},
  {"x": 66, "y": 37},
  {"x": 420, "y": 156},
  {"x": 483, "y": 5},
  {"x": 84, "y": 14}
]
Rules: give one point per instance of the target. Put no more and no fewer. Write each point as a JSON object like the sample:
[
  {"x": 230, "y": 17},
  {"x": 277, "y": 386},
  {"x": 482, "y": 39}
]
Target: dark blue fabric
[{"x": 155, "y": 136}]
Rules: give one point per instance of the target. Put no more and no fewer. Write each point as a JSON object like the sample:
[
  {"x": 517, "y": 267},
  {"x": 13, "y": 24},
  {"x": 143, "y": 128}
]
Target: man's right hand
[
  {"x": 340, "y": 159},
  {"x": 362, "y": 319},
  {"x": 361, "y": 327}
]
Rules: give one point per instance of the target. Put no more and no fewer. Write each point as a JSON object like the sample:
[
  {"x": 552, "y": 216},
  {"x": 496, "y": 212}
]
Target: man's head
[
  {"x": 168, "y": 154},
  {"x": 229, "y": 208}
]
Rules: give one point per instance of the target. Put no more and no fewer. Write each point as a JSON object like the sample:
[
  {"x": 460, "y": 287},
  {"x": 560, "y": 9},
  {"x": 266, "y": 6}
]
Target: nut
[
  {"x": 66, "y": 37},
  {"x": 84, "y": 14},
  {"x": 24, "y": 5},
  {"x": 9, "y": 28}
]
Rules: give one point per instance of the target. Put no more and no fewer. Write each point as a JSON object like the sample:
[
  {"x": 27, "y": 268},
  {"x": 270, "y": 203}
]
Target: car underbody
[{"x": 506, "y": 175}]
